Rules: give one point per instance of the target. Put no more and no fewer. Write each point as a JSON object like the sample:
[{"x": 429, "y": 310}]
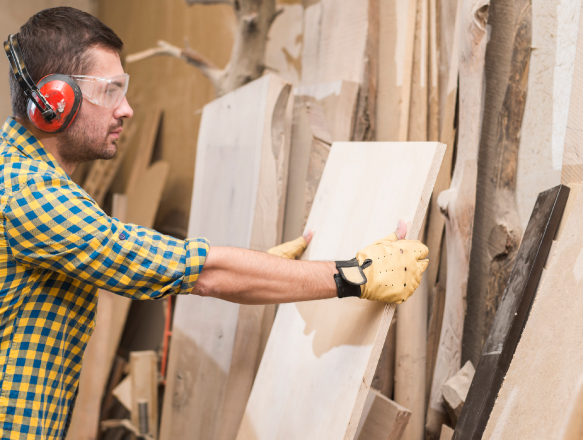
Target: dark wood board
[{"x": 512, "y": 313}]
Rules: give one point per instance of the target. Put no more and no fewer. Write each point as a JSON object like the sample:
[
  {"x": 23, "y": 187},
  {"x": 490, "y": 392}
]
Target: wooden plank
[
  {"x": 418, "y": 109},
  {"x": 342, "y": 44},
  {"x": 572, "y": 157},
  {"x": 143, "y": 201},
  {"x": 382, "y": 418},
  {"x": 433, "y": 72},
  {"x": 241, "y": 173},
  {"x": 545, "y": 126},
  {"x": 322, "y": 114},
  {"x": 144, "y": 377},
  {"x": 411, "y": 344},
  {"x": 396, "y": 40},
  {"x": 384, "y": 377},
  {"x": 456, "y": 389},
  {"x": 435, "y": 230},
  {"x": 315, "y": 346},
  {"x": 496, "y": 230},
  {"x": 433, "y": 333},
  {"x": 457, "y": 203},
  {"x": 504, "y": 350},
  {"x": 573, "y": 429}
]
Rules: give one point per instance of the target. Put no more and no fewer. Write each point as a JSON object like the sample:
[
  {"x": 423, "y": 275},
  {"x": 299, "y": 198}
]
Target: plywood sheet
[
  {"x": 548, "y": 361},
  {"x": 320, "y": 358},
  {"x": 238, "y": 198}
]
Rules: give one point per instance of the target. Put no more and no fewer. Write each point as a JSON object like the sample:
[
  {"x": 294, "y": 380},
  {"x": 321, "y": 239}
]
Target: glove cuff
[{"x": 350, "y": 277}]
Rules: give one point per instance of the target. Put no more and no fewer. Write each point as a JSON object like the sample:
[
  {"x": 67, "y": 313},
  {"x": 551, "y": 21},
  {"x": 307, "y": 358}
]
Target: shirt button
[{"x": 123, "y": 236}]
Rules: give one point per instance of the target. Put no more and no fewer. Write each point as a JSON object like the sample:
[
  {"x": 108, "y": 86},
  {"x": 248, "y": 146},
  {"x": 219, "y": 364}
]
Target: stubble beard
[{"x": 84, "y": 141}]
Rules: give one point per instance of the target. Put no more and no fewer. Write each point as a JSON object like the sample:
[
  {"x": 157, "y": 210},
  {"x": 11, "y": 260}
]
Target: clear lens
[{"x": 105, "y": 92}]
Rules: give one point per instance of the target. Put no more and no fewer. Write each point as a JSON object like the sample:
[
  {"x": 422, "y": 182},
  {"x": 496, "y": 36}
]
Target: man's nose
[{"x": 123, "y": 110}]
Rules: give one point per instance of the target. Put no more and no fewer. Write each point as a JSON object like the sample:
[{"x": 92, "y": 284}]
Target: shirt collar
[{"x": 19, "y": 137}]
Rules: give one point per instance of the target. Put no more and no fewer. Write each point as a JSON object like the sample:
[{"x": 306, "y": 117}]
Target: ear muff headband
[{"x": 25, "y": 81}]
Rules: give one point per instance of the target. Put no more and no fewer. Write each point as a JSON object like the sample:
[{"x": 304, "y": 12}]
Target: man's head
[{"x": 71, "y": 42}]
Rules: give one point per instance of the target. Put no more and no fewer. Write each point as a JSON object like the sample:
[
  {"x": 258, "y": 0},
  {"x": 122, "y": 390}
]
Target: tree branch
[
  {"x": 207, "y": 67},
  {"x": 247, "y": 62}
]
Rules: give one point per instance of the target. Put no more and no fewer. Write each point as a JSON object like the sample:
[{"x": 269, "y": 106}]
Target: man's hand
[
  {"x": 388, "y": 270},
  {"x": 294, "y": 249},
  {"x": 396, "y": 268}
]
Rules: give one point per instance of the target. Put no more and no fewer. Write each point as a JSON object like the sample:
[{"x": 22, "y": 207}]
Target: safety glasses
[{"x": 104, "y": 92}]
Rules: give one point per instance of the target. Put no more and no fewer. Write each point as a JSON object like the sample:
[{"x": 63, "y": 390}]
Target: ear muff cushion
[{"x": 64, "y": 95}]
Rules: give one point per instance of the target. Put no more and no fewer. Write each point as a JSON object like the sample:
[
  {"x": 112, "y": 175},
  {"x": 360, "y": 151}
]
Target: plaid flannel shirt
[{"x": 56, "y": 248}]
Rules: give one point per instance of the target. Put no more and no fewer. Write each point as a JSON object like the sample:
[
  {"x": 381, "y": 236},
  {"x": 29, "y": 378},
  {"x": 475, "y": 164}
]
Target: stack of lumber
[{"x": 477, "y": 112}]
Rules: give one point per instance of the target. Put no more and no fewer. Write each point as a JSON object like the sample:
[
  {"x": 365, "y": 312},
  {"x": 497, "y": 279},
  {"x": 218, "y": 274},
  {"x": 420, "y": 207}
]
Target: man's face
[{"x": 95, "y": 131}]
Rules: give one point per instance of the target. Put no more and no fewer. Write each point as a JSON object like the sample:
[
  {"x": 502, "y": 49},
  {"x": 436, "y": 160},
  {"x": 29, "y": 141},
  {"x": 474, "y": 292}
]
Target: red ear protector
[{"x": 54, "y": 102}]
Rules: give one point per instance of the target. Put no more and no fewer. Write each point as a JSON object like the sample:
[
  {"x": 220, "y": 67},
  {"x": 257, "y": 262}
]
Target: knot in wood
[{"x": 500, "y": 241}]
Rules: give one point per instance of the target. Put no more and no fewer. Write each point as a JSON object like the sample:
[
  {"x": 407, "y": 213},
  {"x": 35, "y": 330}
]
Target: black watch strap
[{"x": 350, "y": 277}]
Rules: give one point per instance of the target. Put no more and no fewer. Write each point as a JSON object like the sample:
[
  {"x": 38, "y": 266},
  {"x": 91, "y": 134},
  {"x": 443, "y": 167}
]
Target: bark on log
[
  {"x": 497, "y": 231},
  {"x": 457, "y": 203},
  {"x": 247, "y": 63}
]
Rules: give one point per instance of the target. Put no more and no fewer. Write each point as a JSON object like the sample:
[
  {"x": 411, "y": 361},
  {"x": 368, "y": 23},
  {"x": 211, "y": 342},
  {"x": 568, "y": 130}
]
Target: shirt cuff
[{"x": 197, "y": 250}]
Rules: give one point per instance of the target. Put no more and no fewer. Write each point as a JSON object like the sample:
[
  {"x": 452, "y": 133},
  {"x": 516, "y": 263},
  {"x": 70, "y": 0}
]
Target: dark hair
[{"x": 57, "y": 40}]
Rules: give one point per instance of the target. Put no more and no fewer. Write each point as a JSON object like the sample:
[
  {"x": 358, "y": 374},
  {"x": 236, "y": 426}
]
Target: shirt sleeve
[{"x": 53, "y": 224}]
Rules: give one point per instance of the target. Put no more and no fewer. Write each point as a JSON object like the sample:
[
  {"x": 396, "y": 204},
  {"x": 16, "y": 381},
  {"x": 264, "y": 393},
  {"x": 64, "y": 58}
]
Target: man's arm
[
  {"x": 51, "y": 223},
  {"x": 249, "y": 277}
]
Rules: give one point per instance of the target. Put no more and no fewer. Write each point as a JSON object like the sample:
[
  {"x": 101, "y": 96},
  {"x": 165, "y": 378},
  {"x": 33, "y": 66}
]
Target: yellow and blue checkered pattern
[{"x": 56, "y": 248}]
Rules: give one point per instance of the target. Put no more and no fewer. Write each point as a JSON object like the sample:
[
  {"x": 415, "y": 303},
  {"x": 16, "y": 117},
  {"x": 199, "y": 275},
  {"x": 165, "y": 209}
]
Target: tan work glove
[
  {"x": 291, "y": 250},
  {"x": 388, "y": 270}
]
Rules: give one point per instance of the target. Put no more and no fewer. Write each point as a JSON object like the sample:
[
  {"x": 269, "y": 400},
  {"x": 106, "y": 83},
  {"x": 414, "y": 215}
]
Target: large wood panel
[
  {"x": 544, "y": 372},
  {"x": 238, "y": 199},
  {"x": 320, "y": 358},
  {"x": 512, "y": 313}
]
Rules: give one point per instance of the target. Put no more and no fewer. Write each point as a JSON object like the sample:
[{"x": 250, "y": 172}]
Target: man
[{"x": 57, "y": 246}]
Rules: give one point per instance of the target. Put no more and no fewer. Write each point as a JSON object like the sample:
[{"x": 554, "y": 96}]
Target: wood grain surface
[{"x": 321, "y": 355}]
